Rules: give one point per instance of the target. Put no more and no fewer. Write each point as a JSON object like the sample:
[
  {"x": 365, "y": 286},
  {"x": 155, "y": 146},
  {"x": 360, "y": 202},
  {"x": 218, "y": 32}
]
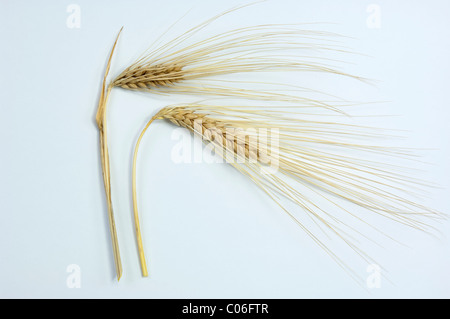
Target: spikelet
[
  {"x": 198, "y": 68},
  {"x": 153, "y": 76}
]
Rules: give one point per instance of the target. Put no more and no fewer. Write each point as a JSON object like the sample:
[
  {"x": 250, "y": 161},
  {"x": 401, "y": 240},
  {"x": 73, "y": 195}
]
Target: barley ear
[{"x": 101, "y": 122}]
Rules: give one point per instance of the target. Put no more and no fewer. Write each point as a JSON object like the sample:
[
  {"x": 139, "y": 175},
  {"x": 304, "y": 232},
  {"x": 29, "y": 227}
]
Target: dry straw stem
[{"x": 101, "y": 123}]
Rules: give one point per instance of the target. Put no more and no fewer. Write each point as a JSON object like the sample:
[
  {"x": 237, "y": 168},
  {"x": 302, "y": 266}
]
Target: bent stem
[
  {"x": 135, "y": 206},
  {"x": 101, "y": 122}
]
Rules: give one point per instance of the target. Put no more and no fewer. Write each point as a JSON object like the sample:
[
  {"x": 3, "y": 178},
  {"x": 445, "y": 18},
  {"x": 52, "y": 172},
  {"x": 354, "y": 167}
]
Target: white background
[{"x": 208, "y": 232}]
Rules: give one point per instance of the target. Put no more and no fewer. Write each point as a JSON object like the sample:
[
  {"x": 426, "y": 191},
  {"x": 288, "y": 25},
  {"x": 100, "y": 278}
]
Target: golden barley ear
[
  {"x": 192, "y": 69},
  {"x": 140, "y": 77},
  {"x": 310, "y": 157}
]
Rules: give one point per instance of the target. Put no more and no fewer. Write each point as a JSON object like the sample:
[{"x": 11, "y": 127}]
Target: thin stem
[{"x": 135, "y": 206}]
